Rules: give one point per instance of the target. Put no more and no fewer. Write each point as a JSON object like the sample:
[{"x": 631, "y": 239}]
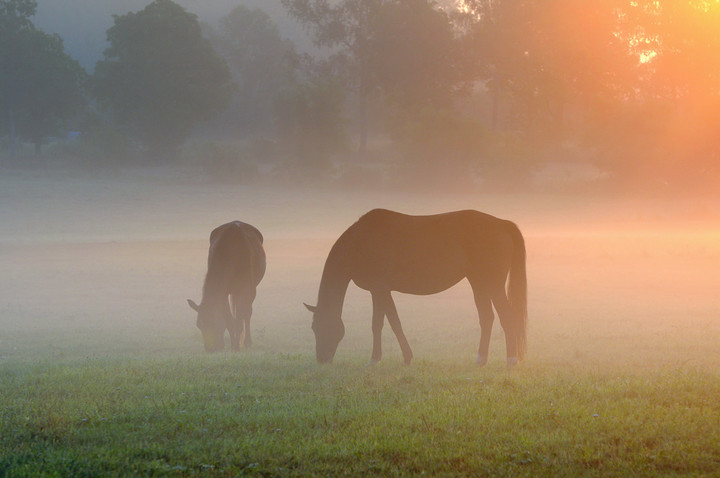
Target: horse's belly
[
  {"x": 414, "y": 279},
  {"x": 427, "y": 287}
]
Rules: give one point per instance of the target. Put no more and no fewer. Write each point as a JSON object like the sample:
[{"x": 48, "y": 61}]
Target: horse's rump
[{"x": 235, "y": 259}]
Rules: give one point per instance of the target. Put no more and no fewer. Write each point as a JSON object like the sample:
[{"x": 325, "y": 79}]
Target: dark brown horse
[
  {"x": 386, "y": 251},
  {"x": 236, "y": 265}
]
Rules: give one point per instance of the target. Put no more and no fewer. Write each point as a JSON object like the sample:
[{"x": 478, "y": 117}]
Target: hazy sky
[{"x": 82, "y": 23}]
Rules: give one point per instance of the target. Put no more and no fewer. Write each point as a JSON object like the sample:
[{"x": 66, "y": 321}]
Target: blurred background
[{"x": 613, "y": 95}]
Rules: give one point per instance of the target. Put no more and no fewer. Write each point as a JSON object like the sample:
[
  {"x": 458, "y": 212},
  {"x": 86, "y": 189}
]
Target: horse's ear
[
  {"x": 311, "y": 308},
  {"x": 193, "y": 305}
]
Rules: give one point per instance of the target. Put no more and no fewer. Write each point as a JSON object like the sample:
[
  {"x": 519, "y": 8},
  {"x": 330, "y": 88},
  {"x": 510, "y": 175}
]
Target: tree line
[{"x": 489, "y": 89}]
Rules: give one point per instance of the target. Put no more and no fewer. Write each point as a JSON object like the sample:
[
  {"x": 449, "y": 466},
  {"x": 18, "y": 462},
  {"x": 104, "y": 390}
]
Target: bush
[
  {"x": 101, "y": 146},
  {"x": 439, "y": 148},
  {"x": 311, "y": 125},
  {"x": 221, "y": 162}
]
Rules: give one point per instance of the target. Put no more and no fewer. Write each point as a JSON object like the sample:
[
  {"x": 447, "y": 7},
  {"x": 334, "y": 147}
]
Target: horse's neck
[
  {"x": 214, "y": 289},
  {"x": 333, "y": 286}
]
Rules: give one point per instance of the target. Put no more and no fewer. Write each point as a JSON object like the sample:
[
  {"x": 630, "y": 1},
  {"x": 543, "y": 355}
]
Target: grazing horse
[
  {"x": 236, "y": 265},
  {"x": 386, "y": 251}
]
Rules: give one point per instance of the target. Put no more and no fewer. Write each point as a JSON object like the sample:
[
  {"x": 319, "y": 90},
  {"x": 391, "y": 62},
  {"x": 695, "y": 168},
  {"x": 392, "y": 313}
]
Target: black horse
[
  {"x": 386, "y": 251},
  {"x": 236, "y": 265}
]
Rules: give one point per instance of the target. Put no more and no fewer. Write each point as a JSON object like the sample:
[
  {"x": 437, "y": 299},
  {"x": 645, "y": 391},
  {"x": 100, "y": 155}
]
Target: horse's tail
[{"x": 517, "y": 288}]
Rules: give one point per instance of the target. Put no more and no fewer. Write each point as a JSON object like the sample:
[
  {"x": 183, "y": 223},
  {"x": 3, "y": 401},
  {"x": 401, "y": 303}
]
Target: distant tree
[
  {"x": 415, "y": 56},
  {"x": 310, "y": 122},
  {"x": 682, "y": 40},
  {"x": 40, "y": 85},
  {"x": 262, "y": 62},
  {"x": 678, "y": 43},
  {"x": 545, "y": 55},
  {"x": 346, "y": 27},
  {"x": 160, "y": 76},
  {"x": 401, "y": 50},
  {"x": 15, "y": 14}
]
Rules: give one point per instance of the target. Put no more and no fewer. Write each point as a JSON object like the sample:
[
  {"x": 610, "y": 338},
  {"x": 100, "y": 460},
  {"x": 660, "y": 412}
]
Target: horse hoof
[
  {"x": 373, "y": 362},
  {"x": 512, "y": 362},
  {"x": 480, "y": 360}
]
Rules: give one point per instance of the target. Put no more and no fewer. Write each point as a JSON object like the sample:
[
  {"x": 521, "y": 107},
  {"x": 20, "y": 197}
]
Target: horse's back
[
  {"x": 443, "y": 231},
  {"x": 238, "y": 246},
  {"x": 384, "y": 218},
  {"x": 423, "y": 254}
]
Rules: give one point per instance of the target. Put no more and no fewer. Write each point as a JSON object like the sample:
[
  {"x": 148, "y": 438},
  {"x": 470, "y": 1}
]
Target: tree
[
  {"x": 678, "y": 43},
  {"x": 15, "y": 15},
  {"x": 346, "y": 27},
  {"x": 414, "y": 55},
  {"x": 263, "y": 64},
  {"x": 40, "y": 85},
  {"x": 682, "y": 39},
  {"x": 160, "y": 76},
  {"x": 310, "y": 122},
  {"x": 402, "y": 50},
  {"x": 546, "y": 54}
]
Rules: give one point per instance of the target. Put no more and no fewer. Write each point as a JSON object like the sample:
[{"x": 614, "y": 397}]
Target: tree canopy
[
  {"x": 160, "y": 76},
  {"x": 263, "y": 65},
  {"x": 40, "y": 85},
  {"x": 402, "y": 50},
  {"x": 631, "y": 85}
]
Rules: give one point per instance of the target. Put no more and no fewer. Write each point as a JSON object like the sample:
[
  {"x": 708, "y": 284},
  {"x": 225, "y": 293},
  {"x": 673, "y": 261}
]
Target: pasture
[{"x": 102, "y": 370}]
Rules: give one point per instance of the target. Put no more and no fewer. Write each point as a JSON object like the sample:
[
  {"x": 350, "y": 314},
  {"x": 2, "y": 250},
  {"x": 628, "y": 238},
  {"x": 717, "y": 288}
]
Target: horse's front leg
[
  {"x": 235, "y": 325},
  {"x": 394, "y": 321},
  {"x": 378, "y": 319}
]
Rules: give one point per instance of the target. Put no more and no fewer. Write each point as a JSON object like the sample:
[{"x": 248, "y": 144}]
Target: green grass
[
  {"x": 102, "y": 374},
  {"x": 282, "y": 415}
]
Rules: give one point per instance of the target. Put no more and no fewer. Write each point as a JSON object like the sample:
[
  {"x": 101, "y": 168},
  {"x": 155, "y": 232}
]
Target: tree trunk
[
  {"x": 11, "y": 119},
  {"x": 559, "y": 121},
  {"x": 495, "y": 106},
  {"x": 362, "y": 149}
]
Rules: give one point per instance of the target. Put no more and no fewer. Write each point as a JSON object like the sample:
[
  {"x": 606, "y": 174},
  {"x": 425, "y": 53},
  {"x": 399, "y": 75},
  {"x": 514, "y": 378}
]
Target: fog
[
  {"x": 83, "y": 23},
  {"x": 98, "y": 266}
]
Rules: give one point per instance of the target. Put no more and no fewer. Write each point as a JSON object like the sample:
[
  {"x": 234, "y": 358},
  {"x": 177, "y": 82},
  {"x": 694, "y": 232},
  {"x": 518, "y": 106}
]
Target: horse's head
[
  {"x": 211, "y": 324},
  {"x": 328, "y": 334}
]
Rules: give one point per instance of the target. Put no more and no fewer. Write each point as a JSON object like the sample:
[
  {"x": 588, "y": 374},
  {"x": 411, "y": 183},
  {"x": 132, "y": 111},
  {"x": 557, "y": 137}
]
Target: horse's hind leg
[
  {"x": 245, "y": 311},
  {"x": 486, "y": 317},
  {"x": 394, "y": 321},
  {"x": 507, "y": 320},
  {"x": 235, "y": 327}
]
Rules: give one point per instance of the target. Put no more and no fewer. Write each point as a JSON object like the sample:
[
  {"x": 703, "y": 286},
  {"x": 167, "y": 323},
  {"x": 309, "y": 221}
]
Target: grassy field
[{"x": 102, "y": 371}]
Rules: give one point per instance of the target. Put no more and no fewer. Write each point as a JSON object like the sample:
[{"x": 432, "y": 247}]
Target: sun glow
[{"x": 647, "y": 56}]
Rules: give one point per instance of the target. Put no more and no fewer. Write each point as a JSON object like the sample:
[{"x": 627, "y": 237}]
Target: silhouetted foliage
[
  {"x": 440, "y": 144},
  {"x": 492, "y": 85},
  {"x": 160, "y": 76},
  {"x": 263, "y": 65},
  {"x": 310, "y": 123},
  {"x": 40, "y": 85},
  {"x": 399, "y": 50},
  {"x": 547, "y": 56},
  {"x": 415, "y": 56}
]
